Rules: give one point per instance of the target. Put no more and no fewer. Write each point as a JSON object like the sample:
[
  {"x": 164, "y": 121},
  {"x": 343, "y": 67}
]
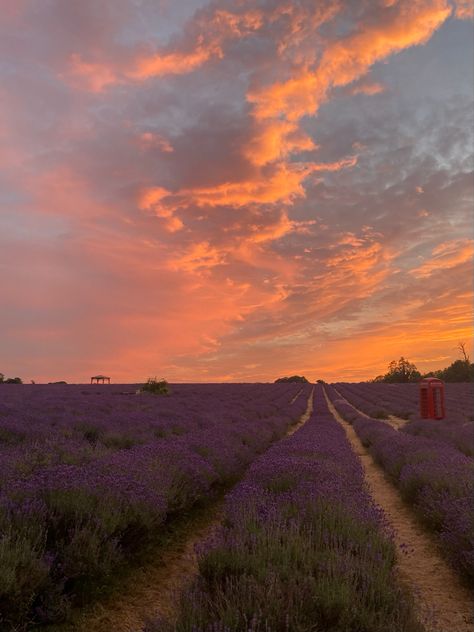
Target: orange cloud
[
  {"x": 445, "y": 256},
  {"x": 150, "y": 140},
  {"x": 92, "y": 76},
  {"x": 198, "y": 257},
  {"x": 302, "y": 22},
  {"x": 274, "y": 140},
  {"x": 283, "y": 184},
  {"x": 150, "y": 200},
  {"x": 259, "y": 233},
  {"x": 368, "y": 88},
  {"x": 248, "y": 245},
  {"x": 210, "y": 34},
  {"x": 464, "y": 9},
  {"x": 213, "y": 32},
  {"x": 173, "y": 63},
  {"x": 346, "y": 60}
]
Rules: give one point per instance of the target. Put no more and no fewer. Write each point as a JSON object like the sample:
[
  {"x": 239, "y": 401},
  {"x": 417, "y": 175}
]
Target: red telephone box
[{"x": 431, "y": 398}]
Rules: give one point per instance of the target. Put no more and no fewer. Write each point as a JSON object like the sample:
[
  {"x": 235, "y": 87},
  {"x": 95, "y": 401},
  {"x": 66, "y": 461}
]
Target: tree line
[
  {"x": 10, "y": 380},
  {"x": 401, "y": 371}
]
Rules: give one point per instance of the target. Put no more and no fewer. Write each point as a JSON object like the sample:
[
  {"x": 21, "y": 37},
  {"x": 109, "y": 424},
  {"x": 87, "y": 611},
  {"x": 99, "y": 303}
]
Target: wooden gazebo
[{"x": 100, "y": 379}]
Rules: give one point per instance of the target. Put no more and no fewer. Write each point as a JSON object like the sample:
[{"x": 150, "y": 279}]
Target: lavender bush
[
  {"x": 88, "y": 474},
  {"x": 303, "y": 546},
  {"x": 435, "y": 478}
]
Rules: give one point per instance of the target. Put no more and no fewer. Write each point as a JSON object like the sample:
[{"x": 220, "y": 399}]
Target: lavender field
[{"x": 91, "y": 475}]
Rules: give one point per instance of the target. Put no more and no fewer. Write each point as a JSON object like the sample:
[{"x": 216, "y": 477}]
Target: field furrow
[{"x": 443, "y": 602}]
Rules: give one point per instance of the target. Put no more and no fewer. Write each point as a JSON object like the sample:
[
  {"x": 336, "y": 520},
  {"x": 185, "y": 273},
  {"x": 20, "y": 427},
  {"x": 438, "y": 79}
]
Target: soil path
[
  {"x": 393, "y": 420},
  {"x": 296, "y": 396},
  {"x": 153, "y": 590},
  {"x": 445, "y": 605},
  {"x": 305, "y": 416}
]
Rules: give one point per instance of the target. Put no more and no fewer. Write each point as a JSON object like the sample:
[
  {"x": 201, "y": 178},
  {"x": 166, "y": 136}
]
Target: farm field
[
  {"x": 92, "y": 474},
  {"x": 89, "y": 473}
]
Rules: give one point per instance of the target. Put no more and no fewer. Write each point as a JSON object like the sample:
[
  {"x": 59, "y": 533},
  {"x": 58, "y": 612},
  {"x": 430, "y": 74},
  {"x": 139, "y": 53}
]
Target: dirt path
[
  {"x": 297, "y": 395},
  {"x": 396, "y": 422},
  {"x": 305, "y": 416},
  {"x": 445, "y": 605},
  {"x": 393, "y": 420},
  {"x": 153, "y": 590}
]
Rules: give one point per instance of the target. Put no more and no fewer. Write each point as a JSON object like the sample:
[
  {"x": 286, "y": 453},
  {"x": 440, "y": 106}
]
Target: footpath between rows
[{"x": 445, "y": 604}]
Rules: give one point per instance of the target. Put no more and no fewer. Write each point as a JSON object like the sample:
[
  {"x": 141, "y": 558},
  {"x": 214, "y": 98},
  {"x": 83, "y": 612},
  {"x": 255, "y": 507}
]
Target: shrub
[{"x": 157, "y": 387}]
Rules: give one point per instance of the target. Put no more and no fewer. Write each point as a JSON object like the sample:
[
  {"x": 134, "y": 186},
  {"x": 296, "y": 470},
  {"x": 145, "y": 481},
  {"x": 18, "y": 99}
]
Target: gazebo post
[{"x": 100, "y": 379}]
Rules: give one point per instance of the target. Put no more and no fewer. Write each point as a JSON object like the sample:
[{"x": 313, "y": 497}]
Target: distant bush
[
  {"x": 293, "y": 378},
  {"x": 10, "y": 380},
  {"x": 157, "y": 387}
]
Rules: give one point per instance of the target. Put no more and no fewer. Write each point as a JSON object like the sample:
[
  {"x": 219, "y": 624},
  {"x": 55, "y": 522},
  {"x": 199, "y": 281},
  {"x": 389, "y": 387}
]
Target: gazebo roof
[{"x": 100, "y": 377}]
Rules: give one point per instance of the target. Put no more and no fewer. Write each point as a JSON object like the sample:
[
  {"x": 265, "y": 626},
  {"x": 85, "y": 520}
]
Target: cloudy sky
[{"x": 236, "y": 189}]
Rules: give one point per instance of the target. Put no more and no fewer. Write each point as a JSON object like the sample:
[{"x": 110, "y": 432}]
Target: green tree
[
  {"x": 458, "y": 371},
  {"x": 292, "y": 378},
  {"x": 400, "y": 371}
]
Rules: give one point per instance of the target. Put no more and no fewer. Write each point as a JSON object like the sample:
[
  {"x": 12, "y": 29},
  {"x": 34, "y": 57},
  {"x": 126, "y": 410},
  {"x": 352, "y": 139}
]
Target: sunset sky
[{"x": 234, "y": 190}]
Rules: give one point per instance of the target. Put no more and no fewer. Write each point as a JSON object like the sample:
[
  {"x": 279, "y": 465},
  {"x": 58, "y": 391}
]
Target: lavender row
[
  {"x": 67, "y": 526},
  {"x": 402, "y": 400},
  {"x": 51, "y": 425},
  {"x": 302, "y": 547},
  {"x": 432, "y": 476}
]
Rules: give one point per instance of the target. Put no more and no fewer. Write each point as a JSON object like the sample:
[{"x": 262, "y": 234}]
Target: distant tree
[
  {"x": 293, "y": 378},
  {"x": 401, "y": 371},
  {"x": 404, "y": 371},
  {"x": 458, "y": 371},
  {"x": 2, "y": 377},
  {"x": 13, "y": 380},
  {"x": 462, "y": 348}
]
